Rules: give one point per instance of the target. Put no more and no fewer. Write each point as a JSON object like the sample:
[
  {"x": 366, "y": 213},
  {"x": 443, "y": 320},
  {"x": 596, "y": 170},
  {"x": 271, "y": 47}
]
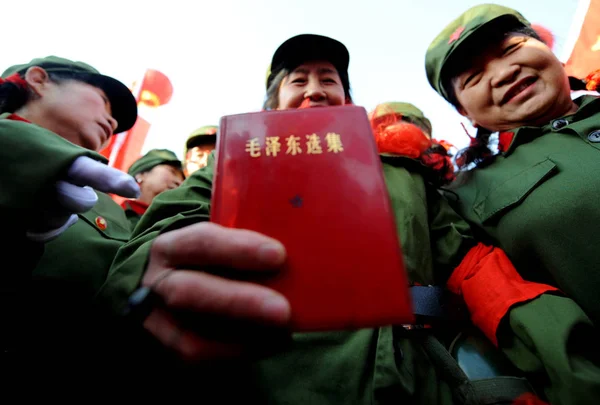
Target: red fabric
[
  {"x": 490, "y": 286},
  {"x": 529, "y": 399},
  {"x": 585, "y": 55},
  {"x": 16, "y": 117},
  {"x": 440, "y": 163},
  {"x": 404, "y": 139},
  {"x": 139, "y": 207},
  {"x": 447, "y": 145},
  {"x": 592, "y": 81},
  {"x": 393, "y": 135},
  {"x": 16, "y": 79},
  {"x": 504, "y": 140}
]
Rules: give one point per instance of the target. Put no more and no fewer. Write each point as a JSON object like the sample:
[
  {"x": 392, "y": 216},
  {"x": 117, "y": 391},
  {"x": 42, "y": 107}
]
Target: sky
[{"x": 216, "y": 53}]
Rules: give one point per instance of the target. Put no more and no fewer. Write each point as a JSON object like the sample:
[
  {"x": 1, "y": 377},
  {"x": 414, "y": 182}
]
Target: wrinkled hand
[
  {"x": 76, "y": 195},
  {"x": 204, "y": 316}
]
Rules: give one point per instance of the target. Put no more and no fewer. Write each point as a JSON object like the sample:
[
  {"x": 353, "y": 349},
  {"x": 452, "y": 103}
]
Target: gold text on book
[{"x": 295, "y": 145}]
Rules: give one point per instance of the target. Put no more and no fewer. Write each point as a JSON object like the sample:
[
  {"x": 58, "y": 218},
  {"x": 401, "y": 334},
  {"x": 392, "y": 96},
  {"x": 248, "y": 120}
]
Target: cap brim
[
  {"x": 309, "y": 47},
  {"x": 122, "y": 102},
  {"x": 200, "y": 140}
]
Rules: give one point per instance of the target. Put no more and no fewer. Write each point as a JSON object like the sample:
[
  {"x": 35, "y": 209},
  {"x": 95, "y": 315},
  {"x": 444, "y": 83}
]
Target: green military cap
[
  {"x": 205, "y": 134},
  {"x": 307, "y": 47},
  {"x": 453, "y": 37},
  {"x": 122, "y": 101},
  {"x": 407, "y": 110},
  {"x": 154, "y": 158}
]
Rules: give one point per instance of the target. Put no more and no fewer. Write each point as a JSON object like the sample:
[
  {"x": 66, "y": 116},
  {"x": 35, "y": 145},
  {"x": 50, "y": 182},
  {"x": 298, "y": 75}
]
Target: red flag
[
  {"x": 123, "y": 149},
  {"x": 585, "y": 56}
]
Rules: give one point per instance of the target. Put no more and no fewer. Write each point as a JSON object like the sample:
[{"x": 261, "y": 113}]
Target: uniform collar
[
  {"x": 510, "y": 140},
  {"x": 14, "y": 117},
  {"x": 136, "y": 206}
]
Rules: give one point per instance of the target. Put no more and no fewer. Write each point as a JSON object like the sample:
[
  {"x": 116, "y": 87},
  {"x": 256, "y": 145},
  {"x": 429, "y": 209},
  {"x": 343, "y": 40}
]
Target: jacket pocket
[{"x": 512, "y": 191}]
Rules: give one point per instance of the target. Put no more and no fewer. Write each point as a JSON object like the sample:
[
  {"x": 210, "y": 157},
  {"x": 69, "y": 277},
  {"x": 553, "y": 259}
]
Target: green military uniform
[
  {"x": 370, "y": 366},
  {"x": 63, "y": 327},
  {"x": 47, "y": 299},
  {"x": 70, "y": 272},
  {"x": 134, "y": 210},
  {"x": 337, "y": 367},
  {"x": 537, "y": 201},
  {"x": 25, "y": 188},
  {"x": 378, "y": 366}
]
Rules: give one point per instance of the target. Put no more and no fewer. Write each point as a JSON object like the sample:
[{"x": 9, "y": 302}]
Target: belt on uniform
[{"x": 433, "y": 303}]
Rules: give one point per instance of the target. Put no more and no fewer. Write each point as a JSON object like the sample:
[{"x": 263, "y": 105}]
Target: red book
[{"x": 312, "y": 179}]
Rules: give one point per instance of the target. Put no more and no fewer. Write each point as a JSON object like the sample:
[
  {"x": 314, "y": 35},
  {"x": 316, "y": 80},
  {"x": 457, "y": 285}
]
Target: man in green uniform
[
  {"x": 537, "y": 198},
  {"x": 197, "y": 148},
  {"x": 157, "y": 171}
]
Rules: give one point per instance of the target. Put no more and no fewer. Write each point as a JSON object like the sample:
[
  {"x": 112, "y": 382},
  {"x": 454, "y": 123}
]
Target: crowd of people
[{"x": 152, "y": 298}]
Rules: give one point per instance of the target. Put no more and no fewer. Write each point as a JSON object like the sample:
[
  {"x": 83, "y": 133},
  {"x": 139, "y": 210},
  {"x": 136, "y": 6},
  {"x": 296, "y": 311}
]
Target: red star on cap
[{"x": 456, "y": 34}]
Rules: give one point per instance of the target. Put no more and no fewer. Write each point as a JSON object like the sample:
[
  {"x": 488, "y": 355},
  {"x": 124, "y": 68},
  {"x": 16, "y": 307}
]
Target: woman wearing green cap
[
  {"x": 55, "y": 114},
  {"x": 157, "y": 171},
  {"x": 228, "y": 325},
  {"x": 537, "y": 197}
]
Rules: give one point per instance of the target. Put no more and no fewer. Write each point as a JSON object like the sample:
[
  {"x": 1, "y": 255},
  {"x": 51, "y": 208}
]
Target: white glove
[{"x": 76, "y": 195}]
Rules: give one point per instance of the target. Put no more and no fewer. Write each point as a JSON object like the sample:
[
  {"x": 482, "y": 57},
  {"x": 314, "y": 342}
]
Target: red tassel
[
  {"x": 16, "y": 79},
  {"x": 593, "y": 80},
  {"x": 440, "y": 163}
]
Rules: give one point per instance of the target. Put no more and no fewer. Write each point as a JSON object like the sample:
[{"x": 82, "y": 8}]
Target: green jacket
[
  {"x": 84, "y": 252},
  {"x": 47, "y": 290},
  {"x": 64, "y": 283},
  {"x": 33, "y": 159},
  {"x": 539, "y": 202},
  {"x": 371, "y": 366},
  {"x": 335, "y": 367}
]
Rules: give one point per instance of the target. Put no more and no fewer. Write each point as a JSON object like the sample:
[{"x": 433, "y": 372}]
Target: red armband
[{"x": 490, "y": 286}]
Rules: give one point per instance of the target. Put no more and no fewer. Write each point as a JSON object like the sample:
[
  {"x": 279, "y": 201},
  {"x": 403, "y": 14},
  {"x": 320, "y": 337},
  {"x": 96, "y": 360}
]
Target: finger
[
  {"x": 189, "y": 346},
  {"x": 88, "y": 172},
  {"x": 207, "y": 294},
  {"x": 194, "y": 348},
  {"x": 47, "y": 236},
  {"x": 207, "y": 244},
  {"x": 74, "y": 198}
]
